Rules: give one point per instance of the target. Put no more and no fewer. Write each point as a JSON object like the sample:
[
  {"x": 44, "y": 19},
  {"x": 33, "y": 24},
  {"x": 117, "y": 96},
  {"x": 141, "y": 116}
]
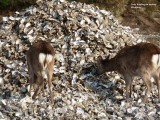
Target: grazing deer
[
  {"x": 141, "y": 60},
  {"x": 40, "y": 60}
]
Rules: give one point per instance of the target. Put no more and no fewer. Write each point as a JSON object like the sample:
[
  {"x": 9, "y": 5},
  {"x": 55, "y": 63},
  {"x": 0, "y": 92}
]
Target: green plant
[
  {"x": 4, "y": 3},
  {"x": 15, "y": 3}
]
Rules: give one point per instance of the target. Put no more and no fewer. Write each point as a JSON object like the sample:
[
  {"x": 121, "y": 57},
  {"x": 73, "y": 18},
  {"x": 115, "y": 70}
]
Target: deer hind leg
[
  {"x": 43, "y": 88},
  {"x": 156, "y": 78},
  {"x": 50, "y": 72},
  {"x": 146, "y": 77},
  {"x": 39, "y": 85},
  {"x": 158, "y": 86}
]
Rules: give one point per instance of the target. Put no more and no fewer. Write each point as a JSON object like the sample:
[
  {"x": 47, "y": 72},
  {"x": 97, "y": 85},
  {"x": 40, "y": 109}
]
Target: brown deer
[
  {"x": 40, "y": 60},
  {"x": 142, "y": 60}
]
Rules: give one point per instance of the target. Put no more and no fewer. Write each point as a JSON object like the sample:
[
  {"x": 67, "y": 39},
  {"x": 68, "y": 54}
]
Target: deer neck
[{"x": 111, "y": 65}]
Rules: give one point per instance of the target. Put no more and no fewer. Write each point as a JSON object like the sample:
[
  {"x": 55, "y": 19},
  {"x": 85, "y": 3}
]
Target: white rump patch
[
  {"x": 42, "y": 58},
  {"x": 49, "y": 58},
  {"x": 156, "y": 60}
]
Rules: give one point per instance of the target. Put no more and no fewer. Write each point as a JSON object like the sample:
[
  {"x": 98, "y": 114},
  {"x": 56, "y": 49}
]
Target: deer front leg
[
  {"x": 131, "y": 88},
  {"x": 128, "y": 82}
]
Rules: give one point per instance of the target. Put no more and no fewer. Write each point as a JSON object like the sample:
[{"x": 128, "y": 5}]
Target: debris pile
[{"x": 79, "y": 33}]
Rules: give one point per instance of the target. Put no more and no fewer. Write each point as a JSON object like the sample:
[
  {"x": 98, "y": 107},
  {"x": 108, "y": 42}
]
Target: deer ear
[{"x": 99, "y": 58}]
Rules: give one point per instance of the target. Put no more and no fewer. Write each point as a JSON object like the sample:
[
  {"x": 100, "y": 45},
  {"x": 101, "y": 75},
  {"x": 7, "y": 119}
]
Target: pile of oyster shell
[{"x": 79, "y": 33}]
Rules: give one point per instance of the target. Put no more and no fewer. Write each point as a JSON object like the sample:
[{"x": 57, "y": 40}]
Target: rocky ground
[{"x": 79, "y": 33}]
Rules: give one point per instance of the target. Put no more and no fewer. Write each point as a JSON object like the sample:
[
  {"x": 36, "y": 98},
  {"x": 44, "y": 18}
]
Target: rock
[{"x": 24, "y": 90}]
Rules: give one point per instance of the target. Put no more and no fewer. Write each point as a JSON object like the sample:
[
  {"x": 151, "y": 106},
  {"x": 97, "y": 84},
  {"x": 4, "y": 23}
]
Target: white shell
[
  {"x": 1, "y": 81},
  {"x": 11, "y": 18},
  {"x": 5, "y": 19}
]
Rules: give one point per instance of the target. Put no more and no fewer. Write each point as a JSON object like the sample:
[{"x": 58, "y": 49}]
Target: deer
[
  {"x": 140, "y": 60},
  {"x": 40, "y": 61}
]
